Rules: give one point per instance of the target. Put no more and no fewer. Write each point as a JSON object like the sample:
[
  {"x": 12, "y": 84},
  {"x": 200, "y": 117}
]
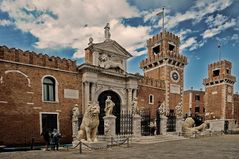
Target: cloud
[
  {"x": 71, "y": 23},
  {"x": 218, "y": 28},
  {"x": 188, "y": 43},
  {"x": 195, "y": 13},
  {"x": 219, "y": 19},
  {"x": 5, "y": 22}
]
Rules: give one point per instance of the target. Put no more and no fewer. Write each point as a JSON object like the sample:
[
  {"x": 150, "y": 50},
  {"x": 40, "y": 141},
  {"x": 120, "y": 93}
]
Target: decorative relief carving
[{"x": 107, "y": 62}]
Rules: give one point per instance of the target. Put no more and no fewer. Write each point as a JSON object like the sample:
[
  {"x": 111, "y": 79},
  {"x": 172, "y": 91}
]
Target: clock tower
[{"x": 164, "y": 62}]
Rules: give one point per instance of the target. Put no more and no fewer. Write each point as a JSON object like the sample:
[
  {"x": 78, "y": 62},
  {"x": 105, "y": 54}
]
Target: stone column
[
  {"x": 129, "y": 98},
  {"x": 163, "y": 125},
  {"x": 93, "y": 88},
  {"x": 87, "y": 93},
  {"x": 109, "y": 126},
  {"x": 137, "y": 126},
  {"x": 179, "y": 123}
]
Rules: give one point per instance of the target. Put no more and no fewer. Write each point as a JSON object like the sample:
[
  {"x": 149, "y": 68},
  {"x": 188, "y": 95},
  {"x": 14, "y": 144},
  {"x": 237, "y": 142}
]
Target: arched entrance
[{"x": 116, "y": 110}]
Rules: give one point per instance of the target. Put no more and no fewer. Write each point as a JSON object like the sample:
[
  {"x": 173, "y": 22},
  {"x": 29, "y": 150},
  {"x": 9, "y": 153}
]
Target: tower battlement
[
  {"x": 158, "y": 59},
  {"x": 27, "y": 57},
  {"x": 162, "y": 36}
]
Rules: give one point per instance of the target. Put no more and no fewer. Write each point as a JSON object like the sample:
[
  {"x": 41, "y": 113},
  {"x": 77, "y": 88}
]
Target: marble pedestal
[
  {"x": 137, "y": 126},
  {"x": 179, "y": 123},
  {"x": 109, "y": 126},
  {"x": 163, "y": 125}
]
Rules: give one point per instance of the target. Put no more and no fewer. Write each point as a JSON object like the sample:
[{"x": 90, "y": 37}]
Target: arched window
[
  {"x": 49, "y": 85},
  {"x": 151, "y": 99}
]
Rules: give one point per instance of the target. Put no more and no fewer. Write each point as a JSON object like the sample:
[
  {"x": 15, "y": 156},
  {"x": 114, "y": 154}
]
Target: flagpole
[{"x": 163, "y": 19}]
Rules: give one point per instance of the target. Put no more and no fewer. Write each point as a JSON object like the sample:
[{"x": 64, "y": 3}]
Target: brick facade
[
  {"x": 21, "y": 95},
  {"x": 236, "y": 107},
  {"x": 193, "y": 103},
  {"x": 150, "y": 87},
  {"x": 219, "y": 88},
  {"x": 164, "y": 62}
]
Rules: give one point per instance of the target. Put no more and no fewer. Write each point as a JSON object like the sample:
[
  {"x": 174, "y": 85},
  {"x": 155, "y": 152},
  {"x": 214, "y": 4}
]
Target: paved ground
[{"x": 220, "y": 147}]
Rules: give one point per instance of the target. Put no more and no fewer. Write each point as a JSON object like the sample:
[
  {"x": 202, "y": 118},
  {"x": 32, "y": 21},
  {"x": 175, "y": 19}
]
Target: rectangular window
[
  {"x": 151, "y": 99},
  {"x": 171, "y": 47},
  {"x": 156, "y": 49},
  {"x": 197, "y": 97},
  {"x": 216, "y": 73}
]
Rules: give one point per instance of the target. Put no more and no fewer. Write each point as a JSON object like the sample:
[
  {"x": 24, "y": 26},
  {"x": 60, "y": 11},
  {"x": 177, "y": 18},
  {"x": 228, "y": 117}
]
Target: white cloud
[
  {"x": 218, "y": 29},
  {"x": 63, "y": 24},
  {"x": 188, "y": 43},
  {"x": 5, "y": 22},
  {"x": 196, "y": 13},
  {"x": 235, "y": 37},
  {"x": 216, "y": 21}
]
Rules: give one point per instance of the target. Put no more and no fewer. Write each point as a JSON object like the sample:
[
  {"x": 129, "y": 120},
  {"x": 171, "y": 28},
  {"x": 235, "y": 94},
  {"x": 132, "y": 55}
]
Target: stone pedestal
[
  {"x": 179, "y": 123},
  {"x": 109, "y": 125},
  {"x": 137, "y": 125},
  {"x": 75, "y": 128},
  {"x": 163, "y": 125}
]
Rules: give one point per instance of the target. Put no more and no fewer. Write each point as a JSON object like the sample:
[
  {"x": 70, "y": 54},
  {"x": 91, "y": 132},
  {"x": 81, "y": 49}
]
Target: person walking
[
  {"x": 55, "y": 139},
  {"x": 46, "y": 136}
]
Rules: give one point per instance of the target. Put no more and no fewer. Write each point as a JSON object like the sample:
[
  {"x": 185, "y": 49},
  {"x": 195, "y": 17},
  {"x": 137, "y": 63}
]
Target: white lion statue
[
  {"x": 107, "y": 63},
  {"x": 90, "y": 123},
  {"x": 188, "y": 127}
]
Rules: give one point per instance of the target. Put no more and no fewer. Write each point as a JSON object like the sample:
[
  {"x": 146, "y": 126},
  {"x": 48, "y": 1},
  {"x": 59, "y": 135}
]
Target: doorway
[{"x": 116, "y": 110}]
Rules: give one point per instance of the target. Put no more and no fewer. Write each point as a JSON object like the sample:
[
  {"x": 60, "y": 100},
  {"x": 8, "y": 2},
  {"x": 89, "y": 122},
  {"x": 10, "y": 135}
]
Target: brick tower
[
  {"x": 219, "y": 85},
  {"x": 165, "y": 63}
]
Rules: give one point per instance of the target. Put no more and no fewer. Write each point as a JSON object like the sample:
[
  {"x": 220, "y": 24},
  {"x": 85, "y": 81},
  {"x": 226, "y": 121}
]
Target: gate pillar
[
  {"x": 163, "y": 125},
  {"x": 179, "y": 123},
  {"x": 137, "y": 125}
]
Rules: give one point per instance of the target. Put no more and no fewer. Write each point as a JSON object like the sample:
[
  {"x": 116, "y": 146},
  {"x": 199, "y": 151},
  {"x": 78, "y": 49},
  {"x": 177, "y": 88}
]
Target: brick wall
[
  {"x": 194, "y": 102},
  {"x": 236, "y": 107},
  {"x": 22, "y": 103},
  {"x": 143, "y": 98}
]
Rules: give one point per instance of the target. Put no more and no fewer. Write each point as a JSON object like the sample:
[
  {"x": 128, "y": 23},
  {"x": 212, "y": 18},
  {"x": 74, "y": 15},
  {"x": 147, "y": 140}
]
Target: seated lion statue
[{"x": 90, "y": 123}]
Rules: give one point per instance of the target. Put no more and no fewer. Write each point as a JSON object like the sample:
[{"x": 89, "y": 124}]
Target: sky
[{"x": 63, "y": 28}]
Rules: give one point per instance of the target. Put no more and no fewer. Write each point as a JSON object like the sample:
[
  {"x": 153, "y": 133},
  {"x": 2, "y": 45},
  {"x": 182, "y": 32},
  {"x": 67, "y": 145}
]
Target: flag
[{"x": 160, "y": 13}]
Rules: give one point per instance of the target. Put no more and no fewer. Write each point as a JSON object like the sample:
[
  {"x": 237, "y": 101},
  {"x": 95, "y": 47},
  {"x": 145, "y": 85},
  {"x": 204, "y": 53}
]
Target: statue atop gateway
[{"x": 107, "y": 54}]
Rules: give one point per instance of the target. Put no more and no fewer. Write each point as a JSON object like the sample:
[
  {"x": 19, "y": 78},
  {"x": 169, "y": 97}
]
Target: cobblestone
[{"x": 218, "y": 147}]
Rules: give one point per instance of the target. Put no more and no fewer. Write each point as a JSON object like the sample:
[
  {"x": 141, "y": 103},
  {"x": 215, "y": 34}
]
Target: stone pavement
[{"x": 217, "y": 147}]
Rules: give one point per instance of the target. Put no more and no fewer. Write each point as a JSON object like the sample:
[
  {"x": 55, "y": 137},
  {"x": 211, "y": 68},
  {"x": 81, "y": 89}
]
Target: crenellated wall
[
  {"x": 164, "y": 54},
  {"x": 27, "y": 57}
]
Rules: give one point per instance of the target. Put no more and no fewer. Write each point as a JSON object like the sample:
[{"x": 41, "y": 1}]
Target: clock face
[{"x": 175, "y": 76}]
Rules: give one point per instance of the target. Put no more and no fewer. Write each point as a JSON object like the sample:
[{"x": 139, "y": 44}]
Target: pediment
[{"x": 110, "y": 46}]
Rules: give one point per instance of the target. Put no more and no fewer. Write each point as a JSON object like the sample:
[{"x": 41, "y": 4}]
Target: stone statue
[
  {"x": 188, "y": 128},
  {"x": 90, "y": 123},
  {"x": 109, "y": 105},
  {"x": 107, "y": 31},
  {"x": 90, "y": 41},
  {"x": 75, "y": 116},
  {"x": 107, "y": 63},
  {"x": 163, "y": 110},
  {"x": 179, "y": 110},
  {"x": 75, "y": 113},
  {"x": 135, "y": 106}
]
